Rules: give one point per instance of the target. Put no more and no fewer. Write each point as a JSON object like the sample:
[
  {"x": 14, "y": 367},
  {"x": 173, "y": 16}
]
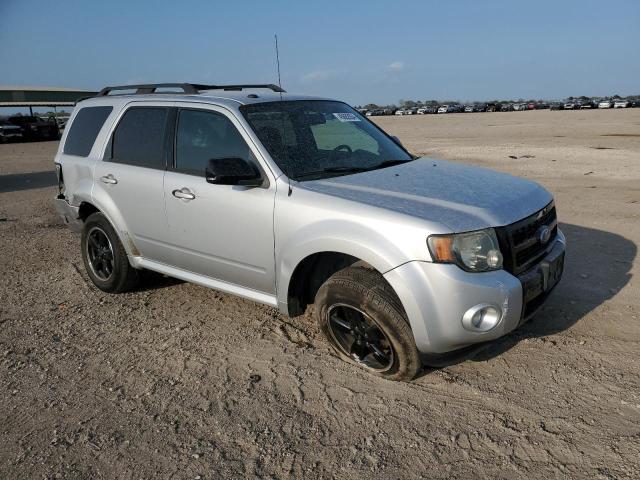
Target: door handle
[
  {"x": 109, "y": 179},
  {"x": 184, "y": 194}
]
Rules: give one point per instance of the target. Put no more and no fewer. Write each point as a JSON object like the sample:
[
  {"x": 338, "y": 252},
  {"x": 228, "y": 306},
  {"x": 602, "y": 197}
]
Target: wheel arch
[
  {"x": 89, "y": 207},
  {"x": 312, "y": 270}
]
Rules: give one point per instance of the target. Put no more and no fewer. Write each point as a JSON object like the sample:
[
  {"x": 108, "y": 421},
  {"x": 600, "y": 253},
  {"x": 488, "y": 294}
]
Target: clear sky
[{"x": 358, "y": 51}]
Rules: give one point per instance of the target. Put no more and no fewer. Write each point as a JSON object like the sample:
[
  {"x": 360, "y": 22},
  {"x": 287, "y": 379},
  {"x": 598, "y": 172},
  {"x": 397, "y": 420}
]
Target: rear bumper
[
  {"x": 69, "y": 213},
  {"x": 437, "y": 296}
]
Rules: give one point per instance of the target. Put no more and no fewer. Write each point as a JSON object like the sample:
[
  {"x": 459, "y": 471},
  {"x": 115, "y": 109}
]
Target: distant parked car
[
  {"x": 430, "y": 109},
  {"x": 506, "y": 107},
  {"x": 34, "y": 128},
  {"x": 542, "y": 106},
  {"x": 556, "y": 106},
  {"x": 587, "y": 105},
  {"x": 519, "y": 107},
  {"x": 621, "y": 104},
  {"x": 468, "y": 109},
  {"x": 605, "y": 104},
  {"x": 571, "y": 106},
  {"x": 491, "y": 107},
  {"x": 9, "y": 132},
  {"x": 443, "y": 108},
  {"x": 399, "y": 112}
]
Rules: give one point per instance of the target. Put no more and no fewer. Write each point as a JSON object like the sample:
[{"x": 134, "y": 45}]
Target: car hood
[{"x": 458, "y": 196}]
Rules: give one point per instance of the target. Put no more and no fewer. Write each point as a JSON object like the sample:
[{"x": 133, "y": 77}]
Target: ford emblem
[{"x": 544, "y": 234}]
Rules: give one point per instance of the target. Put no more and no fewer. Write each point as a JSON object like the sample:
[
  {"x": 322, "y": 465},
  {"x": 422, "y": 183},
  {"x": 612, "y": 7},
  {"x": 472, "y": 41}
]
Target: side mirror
[
  {"x": 232, "y": 171},
  {"x": 397, "y": 140}
]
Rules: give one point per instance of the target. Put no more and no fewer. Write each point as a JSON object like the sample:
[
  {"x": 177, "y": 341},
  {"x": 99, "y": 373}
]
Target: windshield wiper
[
  {"x": 388, "y": 163},
  {"x": 334, "y": 170},
  {"x": 347, "y": 169}
]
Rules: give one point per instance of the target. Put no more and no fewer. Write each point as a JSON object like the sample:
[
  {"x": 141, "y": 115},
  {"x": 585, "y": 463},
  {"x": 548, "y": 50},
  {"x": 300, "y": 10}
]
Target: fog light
[{"x": 482, "y": 318}]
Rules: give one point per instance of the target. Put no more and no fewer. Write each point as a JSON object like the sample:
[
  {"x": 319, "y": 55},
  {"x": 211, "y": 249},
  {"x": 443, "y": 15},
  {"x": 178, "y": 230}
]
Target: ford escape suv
[{"x": 292, "y": 201}]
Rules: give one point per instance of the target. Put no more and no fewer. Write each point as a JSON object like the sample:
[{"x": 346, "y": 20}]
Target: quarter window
[
  {"x": 139, "y": 138},
  {"x": 203, "y": 136},
  {"x": 84, "y": 130}
]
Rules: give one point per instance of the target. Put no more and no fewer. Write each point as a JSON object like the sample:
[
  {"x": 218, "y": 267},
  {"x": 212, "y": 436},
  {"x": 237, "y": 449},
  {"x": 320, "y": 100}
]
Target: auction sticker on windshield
[{"x": 346, "y": 117}]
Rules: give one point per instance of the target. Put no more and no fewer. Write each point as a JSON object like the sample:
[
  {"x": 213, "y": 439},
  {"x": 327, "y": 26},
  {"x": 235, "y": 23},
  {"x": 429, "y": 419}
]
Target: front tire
[
  {"x": 104, "y": 257},
  {"x": 361, "y": 316}
]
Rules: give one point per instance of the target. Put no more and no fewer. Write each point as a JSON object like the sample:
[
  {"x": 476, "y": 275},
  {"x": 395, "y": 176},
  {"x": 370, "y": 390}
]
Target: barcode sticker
[{"x": 346, "y": 117}]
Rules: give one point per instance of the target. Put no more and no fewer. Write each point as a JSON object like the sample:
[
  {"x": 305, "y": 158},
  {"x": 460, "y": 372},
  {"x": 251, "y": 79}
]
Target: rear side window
[
  {"x": 139, "y": 138},
  {"x": 84, "y": 130}
]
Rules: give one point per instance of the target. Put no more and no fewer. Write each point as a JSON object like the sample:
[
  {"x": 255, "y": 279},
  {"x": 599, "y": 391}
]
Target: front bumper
[
  {"x": 436, "y": 296},
  {"x": 70, "y": 214}
]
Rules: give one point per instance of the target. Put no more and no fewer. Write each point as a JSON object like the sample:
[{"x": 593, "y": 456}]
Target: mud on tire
[{"x": 356, "y": 300}]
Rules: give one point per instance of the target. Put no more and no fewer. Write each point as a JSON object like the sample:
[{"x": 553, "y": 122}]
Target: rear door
[
  {"x": 128, "y": 182},
  {"x": 224, "y": 232}
]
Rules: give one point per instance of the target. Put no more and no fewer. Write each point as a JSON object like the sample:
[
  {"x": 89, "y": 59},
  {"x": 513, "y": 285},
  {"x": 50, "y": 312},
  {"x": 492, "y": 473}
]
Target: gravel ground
[{"x": 178, "y": 381}]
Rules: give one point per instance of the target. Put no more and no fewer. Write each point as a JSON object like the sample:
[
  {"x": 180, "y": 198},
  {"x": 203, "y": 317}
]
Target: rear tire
[
  {"x": 363, "y": 319},
  {"x": 104, "y": 257}
]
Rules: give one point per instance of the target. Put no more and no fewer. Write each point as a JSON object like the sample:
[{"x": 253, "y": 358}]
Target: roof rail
[
  {"x": 148, "y": 88},
  {"x": 268, "y": 86},
  {"x": 187, "y": 88}
]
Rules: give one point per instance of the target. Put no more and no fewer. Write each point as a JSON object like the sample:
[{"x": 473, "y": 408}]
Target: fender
[
  {"x": 110, "y": 210},
  {"x": 337, "y": 235}
]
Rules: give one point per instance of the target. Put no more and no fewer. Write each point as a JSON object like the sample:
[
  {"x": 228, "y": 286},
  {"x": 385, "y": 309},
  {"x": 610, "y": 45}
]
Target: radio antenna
[
  {"x": 290, "y": 191},
  {"x": 278, "y": 64}
]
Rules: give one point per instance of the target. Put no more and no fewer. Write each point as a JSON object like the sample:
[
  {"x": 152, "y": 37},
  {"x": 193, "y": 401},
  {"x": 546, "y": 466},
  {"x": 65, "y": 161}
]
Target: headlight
[{"x": 473, "y": 251}]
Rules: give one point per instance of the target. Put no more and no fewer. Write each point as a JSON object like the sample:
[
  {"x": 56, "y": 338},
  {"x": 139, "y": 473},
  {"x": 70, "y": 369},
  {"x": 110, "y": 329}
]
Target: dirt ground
[{"x": 178, "y": 381}]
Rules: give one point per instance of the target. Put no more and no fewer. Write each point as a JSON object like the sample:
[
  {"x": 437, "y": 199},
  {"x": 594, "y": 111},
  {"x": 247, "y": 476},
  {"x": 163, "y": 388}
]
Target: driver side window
[
  {"x": 205, "y": 135},
  {"x": 335, "y": 133}
]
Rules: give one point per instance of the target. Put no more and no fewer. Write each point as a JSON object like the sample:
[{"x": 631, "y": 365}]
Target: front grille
[{"x": 520, "y": 242}]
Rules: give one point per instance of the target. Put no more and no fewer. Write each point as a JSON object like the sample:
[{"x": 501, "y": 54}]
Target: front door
[{"x": 224, "y": 232}]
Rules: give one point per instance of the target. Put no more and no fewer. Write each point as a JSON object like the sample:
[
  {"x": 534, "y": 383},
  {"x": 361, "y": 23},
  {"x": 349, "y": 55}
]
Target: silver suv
[{"x": 292, "y": 201}]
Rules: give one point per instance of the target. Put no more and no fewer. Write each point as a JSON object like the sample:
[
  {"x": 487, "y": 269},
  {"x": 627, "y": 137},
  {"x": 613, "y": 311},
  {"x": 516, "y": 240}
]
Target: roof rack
[
  {"x": 187, "y": 88},
  {"x": 268, "y": 86}
]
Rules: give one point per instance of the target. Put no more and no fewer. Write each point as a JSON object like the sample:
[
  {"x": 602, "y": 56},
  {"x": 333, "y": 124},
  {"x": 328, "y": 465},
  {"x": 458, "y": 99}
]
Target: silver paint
[{"x": 248, "y": 241}]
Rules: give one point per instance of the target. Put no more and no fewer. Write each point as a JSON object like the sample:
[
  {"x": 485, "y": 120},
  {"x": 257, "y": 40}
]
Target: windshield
[{"x": 315, "y": 139}]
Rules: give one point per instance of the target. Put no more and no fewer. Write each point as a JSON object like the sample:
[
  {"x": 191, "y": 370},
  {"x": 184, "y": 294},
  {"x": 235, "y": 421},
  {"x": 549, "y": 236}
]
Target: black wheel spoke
[
  {"x": 359, "y": 337},
  {"x": 93, "y": 242},
  {"x": 97, "y": 265},
  {"x": 379, "y": 354},
  {"x": 341, "y": 322}
]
